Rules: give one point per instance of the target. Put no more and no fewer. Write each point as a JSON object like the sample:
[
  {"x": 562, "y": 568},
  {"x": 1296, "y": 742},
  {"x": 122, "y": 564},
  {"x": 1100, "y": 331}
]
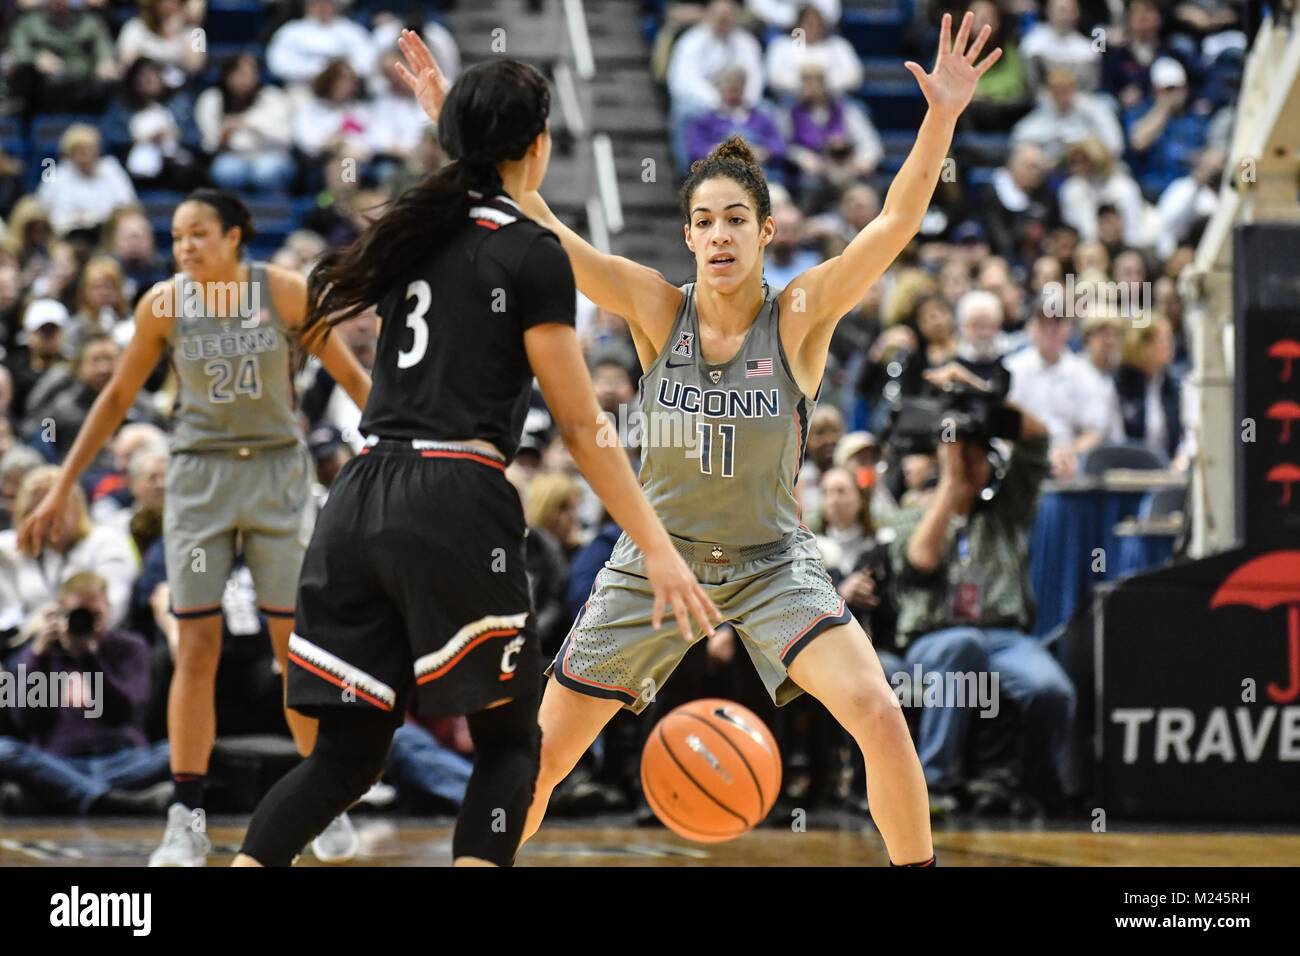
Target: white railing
[{"x": 573, "y": 85}]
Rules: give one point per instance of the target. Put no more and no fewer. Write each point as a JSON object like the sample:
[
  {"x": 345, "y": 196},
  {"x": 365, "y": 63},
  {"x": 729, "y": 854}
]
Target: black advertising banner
[
  {"x": 1198, "y": 710},
  {"x": 1199, "y": 664},
  {"x": 1266, "y": 310}
]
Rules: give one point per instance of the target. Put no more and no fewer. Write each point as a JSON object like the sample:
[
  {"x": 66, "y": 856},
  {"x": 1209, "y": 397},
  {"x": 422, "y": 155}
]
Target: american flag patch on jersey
[{"x": 757, "y": 368}]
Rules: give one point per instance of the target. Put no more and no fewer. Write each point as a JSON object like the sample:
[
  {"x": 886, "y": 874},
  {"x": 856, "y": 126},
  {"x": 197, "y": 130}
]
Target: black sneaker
[
  {"x": 990, "y": 798},
  {"x": 584, "y": 798}
]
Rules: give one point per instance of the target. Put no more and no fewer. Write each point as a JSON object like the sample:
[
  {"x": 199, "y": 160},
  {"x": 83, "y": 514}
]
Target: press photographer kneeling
[{"x": 964, "y": 601}]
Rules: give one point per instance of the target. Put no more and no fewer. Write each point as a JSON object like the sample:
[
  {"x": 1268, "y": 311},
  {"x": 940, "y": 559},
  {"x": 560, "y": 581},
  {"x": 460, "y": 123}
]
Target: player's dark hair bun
[
  {"x": 733, "y": 147},
  {"x": 734, "y": 159},
  {"x": 230, "y": 209}
]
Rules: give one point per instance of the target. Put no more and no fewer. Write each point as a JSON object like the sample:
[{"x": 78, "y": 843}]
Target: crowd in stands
[{"x": 1087, "y": 164}]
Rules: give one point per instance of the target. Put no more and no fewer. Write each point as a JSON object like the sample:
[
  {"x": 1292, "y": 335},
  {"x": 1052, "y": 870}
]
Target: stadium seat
[
  {"x": 891, "y": 94},
  {"x": 158, "y": 206},
  {"x": 43, "y": 141},
  {"x": 12, "y": 140},
  {"x": 875, "y": 32},
  {"x": 897, "y": 146},
  {"x": 233, "y": 22},
  {"x": 218, "y": 53},
  {"x": 1164, "y": 502},
  {"x": 46, "y": 130},
  {"x": 1105, "y": 458},
  {"x": 983, "y": 149}
]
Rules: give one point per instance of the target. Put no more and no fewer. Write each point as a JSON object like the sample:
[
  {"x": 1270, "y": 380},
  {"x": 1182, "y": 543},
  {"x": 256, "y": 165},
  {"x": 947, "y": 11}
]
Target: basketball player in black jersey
[{"x": 413, "y": 588}]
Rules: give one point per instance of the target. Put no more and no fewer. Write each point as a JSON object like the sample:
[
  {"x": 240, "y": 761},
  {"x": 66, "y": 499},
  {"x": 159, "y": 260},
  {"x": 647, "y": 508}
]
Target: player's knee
[
  {"x": 198, "y": 653},
  {"x": 520, "y": 756},
  {"x": 355, "y": 747},
  {"x": 356, "y": 772},
  {"x": 517, "y": 768},
  {"x": 872, "y": 711},
  {"x": 554, "y": 764},
  {"x": 508, "y": 737}
]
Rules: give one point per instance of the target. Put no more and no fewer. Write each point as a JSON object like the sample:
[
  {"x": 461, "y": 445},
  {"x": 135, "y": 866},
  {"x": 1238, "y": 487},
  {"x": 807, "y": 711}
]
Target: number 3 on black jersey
[{"x": 423, "y": 295}]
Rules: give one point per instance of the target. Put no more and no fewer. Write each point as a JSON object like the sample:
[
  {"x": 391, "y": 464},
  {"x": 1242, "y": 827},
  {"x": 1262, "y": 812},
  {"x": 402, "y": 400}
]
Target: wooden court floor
[{"x": 388, "y": 842}]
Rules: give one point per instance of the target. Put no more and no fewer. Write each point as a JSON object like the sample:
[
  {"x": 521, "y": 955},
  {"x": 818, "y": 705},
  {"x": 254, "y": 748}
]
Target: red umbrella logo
[
  {"x": 1288, "y": 350},
  {"x": 1265, "y": 583},
  {"x": 1284, "y": 475},
  {"x": 1286, "y": 413}
]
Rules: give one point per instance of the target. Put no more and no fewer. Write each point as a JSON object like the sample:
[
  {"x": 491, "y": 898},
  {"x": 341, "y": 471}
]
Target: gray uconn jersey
[
  {"x": 743, "y": 425},
  {"x": 234, "y": 381}
]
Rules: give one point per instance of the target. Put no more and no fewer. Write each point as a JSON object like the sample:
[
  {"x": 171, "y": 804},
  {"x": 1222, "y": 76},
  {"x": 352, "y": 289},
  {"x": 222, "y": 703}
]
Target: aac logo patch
[{"x": 685, "y": 346}]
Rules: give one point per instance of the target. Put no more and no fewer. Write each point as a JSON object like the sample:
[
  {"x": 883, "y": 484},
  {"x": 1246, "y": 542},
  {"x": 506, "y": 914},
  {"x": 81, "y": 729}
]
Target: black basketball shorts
[{"x": 413, "y": 589}]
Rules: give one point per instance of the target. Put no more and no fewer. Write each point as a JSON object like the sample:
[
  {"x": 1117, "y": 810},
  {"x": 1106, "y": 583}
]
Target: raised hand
[
  {"x": 424, "y": 78},
  {"x": 949, "y": 87}
]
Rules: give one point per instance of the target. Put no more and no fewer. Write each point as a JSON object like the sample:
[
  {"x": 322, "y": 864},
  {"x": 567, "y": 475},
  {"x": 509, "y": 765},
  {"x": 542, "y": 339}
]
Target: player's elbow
[
  {"x": 898, "y": 226},
  {"x": 589, "y": 437},
  {"x": 581, "y": 431}
]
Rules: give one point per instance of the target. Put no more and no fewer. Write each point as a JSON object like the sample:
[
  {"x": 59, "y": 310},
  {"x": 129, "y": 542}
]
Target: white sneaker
[
  {"x": 379, "y": 795},
  {"x": 338, "y": 842},
  {"x": 181, "y": 845}
]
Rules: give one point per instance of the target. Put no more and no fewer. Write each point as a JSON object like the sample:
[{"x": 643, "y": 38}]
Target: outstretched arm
[
  {"x": 153, "y": 317},
  {"x": 635, "y": 292},
  {"x": 821, "y": 296}
]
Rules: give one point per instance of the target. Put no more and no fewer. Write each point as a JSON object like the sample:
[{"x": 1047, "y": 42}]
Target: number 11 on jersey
[{"x": 728, "y": 433}]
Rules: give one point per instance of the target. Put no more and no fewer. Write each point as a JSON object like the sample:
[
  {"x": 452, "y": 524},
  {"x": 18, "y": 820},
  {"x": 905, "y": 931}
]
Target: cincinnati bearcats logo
[
  {"x": 509, "y": 654},
  {"x": 685, "y": 346}
]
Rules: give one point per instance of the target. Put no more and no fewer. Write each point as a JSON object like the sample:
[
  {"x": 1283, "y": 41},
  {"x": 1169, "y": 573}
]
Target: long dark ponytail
[{"x": 493, "y": 113}]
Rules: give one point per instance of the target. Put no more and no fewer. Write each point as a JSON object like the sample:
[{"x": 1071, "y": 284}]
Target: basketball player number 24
[
  {"x": 418, "y": 290},
  {"x": 728, "y": 434}
]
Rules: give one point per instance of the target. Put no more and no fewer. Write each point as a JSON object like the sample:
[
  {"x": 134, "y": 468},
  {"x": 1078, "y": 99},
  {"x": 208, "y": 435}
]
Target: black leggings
[
  {"x": 507, "y": 754},
  {"x": 351, "y": 749}
]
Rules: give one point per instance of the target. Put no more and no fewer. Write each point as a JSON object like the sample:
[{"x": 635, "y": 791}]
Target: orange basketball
[{"x": 711, "y": 770}]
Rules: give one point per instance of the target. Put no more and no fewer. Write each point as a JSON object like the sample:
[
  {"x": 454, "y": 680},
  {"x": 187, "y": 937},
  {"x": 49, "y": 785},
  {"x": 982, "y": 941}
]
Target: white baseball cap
[{"x": 43, "y": 312}]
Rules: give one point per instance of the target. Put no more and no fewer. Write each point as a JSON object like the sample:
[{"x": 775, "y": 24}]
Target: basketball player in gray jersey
[
  {"x": 238, "y": 470},
  {"x": 742, "y": 365}
]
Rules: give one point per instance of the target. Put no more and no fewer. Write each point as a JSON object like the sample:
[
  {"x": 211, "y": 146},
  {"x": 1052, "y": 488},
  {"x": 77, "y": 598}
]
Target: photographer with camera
[
  {"x": 81, "y": 689},
  {"x": 962, "y": 580}
]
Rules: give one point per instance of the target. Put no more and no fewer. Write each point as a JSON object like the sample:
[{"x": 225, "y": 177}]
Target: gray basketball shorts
[
  {"x": 777, "y": 605},
  {"x": 216, "y": 502}
]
